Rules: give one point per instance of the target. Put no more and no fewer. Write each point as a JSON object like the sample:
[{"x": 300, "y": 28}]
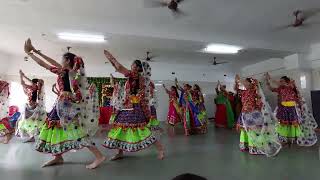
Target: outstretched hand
[
  {"x": 237, "y": 77},
  {"x": 176, "y": 80},
  {"x": 108, "y": 54},
  {"x": 267, "y": 75},
  {"x": 28, "y": 47}
]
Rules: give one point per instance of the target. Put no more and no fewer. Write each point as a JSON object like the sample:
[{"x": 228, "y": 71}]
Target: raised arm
[
  {"x": 28, "y": 48},
  {"x": 165, "y": 88},
  {"x": 119, "y": 67},
  {"x": 25, "y": 77},
  {"x": 268, "y": 79},
  {"x": 237, "y": 83},
  {"x": 23, "y": 83},
  {"x": 177, "y": 85},
  {"x": 217, "y": 87},
  {"x": 48, "y": 59}
]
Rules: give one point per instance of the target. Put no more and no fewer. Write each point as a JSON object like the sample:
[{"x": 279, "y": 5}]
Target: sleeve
[
  {"x": 129, "y": 74},
  {"x": 54, "y": 70},
  {"x": 217, "y": 90},
  {"x": 276, "y": 90}
]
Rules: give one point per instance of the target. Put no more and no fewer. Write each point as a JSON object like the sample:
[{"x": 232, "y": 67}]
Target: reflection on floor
[{"x": 214, "y": 155}]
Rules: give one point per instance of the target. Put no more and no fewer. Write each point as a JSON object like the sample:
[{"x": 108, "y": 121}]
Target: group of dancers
[
  {"x": 72, "y": 122},
  {"x": 189, "y": 109},
  {"x": 262, "y": 131}
]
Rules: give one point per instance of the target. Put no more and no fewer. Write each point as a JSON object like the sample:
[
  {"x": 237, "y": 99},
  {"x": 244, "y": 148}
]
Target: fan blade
[
  {"x": 153, "y": 56},
  {"x": 154, "y": 4},
  {"x": 178, "y": 13},
  {"x": 222, "y": 63},
  {"x": 180, "y": 1},
  {"x": 308, "y": 13},
  {"x": 281, "y": 28}
]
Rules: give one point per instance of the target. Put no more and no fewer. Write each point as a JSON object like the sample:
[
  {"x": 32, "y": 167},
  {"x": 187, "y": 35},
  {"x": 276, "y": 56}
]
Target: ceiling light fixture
[
  {"x": 82, "y": 37},
  {"x": 222, "y": 49}
]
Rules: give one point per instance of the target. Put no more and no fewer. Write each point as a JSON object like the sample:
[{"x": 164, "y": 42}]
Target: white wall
[
  {"x": 161, "y": 69},
  {"x": 5, "y": 63}
]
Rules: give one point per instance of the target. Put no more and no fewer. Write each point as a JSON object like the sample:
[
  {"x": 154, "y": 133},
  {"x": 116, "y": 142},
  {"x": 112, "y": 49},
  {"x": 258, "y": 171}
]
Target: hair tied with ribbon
[{"x": 78, "y": 63}]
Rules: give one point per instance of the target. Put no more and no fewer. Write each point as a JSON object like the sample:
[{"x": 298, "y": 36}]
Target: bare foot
[
  {"x": 55, "y": 161},
  {"x": 117, "y": 156},
  {"x": 96, "y": 163},
  {"x": 30, "y": 140},
  {"x": 7, "y": 139},
  {"x": 161, "y": 155}
]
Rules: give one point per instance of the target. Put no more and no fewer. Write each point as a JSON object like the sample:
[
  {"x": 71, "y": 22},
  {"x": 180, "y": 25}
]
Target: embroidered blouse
[
  {"x": 63, "y": 83},
  {"x": 250, "y": 101},
  {"x": 286, "y": 93}
]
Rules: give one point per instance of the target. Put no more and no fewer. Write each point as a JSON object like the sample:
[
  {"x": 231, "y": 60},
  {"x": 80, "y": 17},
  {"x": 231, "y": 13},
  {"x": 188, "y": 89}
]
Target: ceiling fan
[
  {"x": 172, "y": 5},
  {"x": 148, "y": 58},
  {"x": 301, "y": 16},
  {"x": 215, "y": 63}
]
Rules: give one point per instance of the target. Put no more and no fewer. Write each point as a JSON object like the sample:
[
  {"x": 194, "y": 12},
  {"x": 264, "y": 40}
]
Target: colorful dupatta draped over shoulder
[{"x": 258, "y": 122}]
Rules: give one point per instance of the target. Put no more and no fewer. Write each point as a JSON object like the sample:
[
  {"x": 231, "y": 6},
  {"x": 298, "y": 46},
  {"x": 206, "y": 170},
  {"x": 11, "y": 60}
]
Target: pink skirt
[{"x": 173, "y": 113}]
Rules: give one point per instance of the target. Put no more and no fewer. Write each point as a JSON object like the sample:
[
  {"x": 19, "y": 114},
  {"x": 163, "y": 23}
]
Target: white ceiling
[{"x": 132, "y": 29}]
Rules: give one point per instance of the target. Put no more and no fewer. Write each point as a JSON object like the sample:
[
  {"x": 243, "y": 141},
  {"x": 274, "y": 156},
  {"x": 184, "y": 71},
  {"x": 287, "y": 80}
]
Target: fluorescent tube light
[
  {"x": 222, "y": 49},
  {"x": 82, "y": 37}
]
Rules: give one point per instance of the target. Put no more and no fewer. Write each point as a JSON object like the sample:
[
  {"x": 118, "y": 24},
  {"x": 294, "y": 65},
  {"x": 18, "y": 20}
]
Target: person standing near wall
[
  {"x": 296, "y": 123},
  {"x": 224, "y": 117}
]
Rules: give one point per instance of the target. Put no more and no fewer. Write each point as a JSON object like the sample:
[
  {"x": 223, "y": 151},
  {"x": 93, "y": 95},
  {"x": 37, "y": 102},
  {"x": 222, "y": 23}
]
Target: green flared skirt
[
  {"x": 57, "y": 140},
  {"x": 30, "y": 127},
  {"x": 288, "y": 133},
  {"x": 246, "y": 143},
  {"x": 4, "y": 131},
  {"x": 130, "y": 131}
]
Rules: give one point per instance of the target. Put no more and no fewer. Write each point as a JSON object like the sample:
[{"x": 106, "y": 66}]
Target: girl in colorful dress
[
  {"x": 224, "y": 114},
  {"x": 237, "y": 105},
  {"x": 154, "y": 123},
  {"x": 35, "y": 112},
  {"x": 191, "y": 121},
  {"x": 256, "y": 122},
  {"x": 174, "y": 108},
  {"x": 130, "y": 132},
  {"x": 116, "y": 96},
  {"x": 6, "y": 128},
  {"x": 296, "y": 123},
  {"x": 198, "y": 99},
  {"x": 74, "y": 118}
]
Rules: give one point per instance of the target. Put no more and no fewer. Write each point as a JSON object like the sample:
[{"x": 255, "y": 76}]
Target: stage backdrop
[{"x": 104, "y": 88}]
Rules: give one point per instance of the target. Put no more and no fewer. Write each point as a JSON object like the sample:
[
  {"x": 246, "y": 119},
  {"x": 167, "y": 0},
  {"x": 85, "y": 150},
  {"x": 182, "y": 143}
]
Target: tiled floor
[{"x": 214, "y": 155}]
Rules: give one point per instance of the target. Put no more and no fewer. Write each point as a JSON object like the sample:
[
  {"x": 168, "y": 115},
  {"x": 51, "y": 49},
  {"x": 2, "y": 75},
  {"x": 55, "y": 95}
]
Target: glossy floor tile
[{"x": 214, "y": 155}]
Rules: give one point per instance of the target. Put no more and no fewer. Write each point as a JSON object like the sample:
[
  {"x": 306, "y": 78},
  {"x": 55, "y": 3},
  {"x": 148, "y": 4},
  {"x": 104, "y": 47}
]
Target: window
[
  {"x": 303, "y": 82},
  {"x": 17, "y": 96}
]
